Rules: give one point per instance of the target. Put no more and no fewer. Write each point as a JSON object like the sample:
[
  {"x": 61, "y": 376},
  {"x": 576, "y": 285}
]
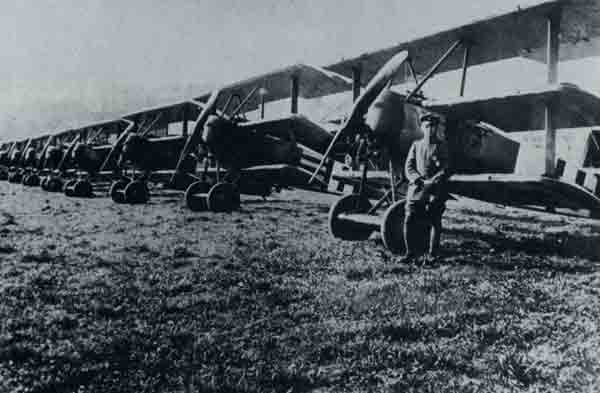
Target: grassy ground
[{"x": 101, "y": 297}]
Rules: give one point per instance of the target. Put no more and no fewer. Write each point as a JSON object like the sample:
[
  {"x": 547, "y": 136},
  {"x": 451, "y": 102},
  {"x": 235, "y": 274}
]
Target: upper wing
[
  {"x": 155, "y": 120},
  {"x": 518, "y": 33},
  {"x": 313, "y": 82}
]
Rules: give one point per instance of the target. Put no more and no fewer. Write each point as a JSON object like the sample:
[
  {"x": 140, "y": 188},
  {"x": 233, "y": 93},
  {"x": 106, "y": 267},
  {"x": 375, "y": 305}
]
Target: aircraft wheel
[
  {"x": 223, "y": 197},
  {"x": 116, "y": 191},
  {"x": 195, "y": 196},
  {"x": 44, "y": 183},
  {"x": 14, "y": 177},
  {"x": 34, "y": 180},
  {"x": 344, "y": 230},
  {"x": 136, "y": 192},
  {"x": 83, "y": 189},
  {"x": 25, "y": 180},
  {"x": 68, "y": 188},
  {"x": 392, "y": 228},
  {"x": 54, "y": 184}
]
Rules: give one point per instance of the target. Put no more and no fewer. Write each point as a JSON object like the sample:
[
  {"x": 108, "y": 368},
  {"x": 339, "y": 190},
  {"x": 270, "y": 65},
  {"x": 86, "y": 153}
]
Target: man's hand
[
  {"x": 419, "y": 182},
  {"x": 437, "y": 178}
]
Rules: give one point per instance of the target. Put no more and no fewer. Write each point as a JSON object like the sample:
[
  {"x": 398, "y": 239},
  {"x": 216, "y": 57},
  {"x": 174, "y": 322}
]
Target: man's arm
[
  {"x": 410, "y": 167},
  {"x": 444, "y": 171}
]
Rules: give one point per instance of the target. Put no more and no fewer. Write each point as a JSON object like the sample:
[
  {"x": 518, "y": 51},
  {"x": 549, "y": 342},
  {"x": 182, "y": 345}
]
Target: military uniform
[{"x": 427, "y": 170}]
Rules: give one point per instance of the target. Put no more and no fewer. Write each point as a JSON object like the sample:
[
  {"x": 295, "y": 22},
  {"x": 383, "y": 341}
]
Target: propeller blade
[
  {"x": 383, "y": 77},
  {"x": 118, "y": 143},
  {"x": 196, "y": 135},
  {"x": 44, "y": 150},
  {"x": 22, "y": 158},
  {"x": 68, "y": 153}
]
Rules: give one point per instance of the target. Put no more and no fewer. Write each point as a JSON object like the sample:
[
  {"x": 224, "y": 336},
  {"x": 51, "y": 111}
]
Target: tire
[
  {"x": 68, "y": 188},
  {"x": 82, "y": 189},
  {"x": 344, "y": 230},
  {"x": 54, "y": 184},
  {"x": 392, "y": 228},
  {"x": 136, "y": 192},
  {"x": 116, "y": 191},
  {"x": 196, "y": 196},
  {"x": 223, "y": 197}
]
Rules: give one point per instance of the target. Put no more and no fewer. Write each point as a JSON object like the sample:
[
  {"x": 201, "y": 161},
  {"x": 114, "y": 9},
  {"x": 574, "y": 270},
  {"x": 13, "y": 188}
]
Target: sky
[{"x": 66, "y": 61}]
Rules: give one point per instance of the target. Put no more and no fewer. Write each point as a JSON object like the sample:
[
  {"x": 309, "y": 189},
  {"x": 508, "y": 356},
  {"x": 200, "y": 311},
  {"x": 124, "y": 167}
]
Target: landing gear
[
  {"x": 81, "y": 188},
  {"x": 195, "y": 196},
  {"x": 222, "y": 197},
  {"x": 15, "y": 176},
  {"x": 117, "y": 191},
  {"x": 134, "y": 192},
  {"x": 392, "y": 228},
  {"x": 346, "y": 230},
  {"x": 68, "y": 187},
  {"x": 32, "y": 180},
  {"x": 52, "y": 184}
]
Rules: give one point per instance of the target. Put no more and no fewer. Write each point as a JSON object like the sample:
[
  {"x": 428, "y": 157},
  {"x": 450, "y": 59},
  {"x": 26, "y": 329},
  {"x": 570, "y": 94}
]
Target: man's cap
[{"x": 430, "y": 116}]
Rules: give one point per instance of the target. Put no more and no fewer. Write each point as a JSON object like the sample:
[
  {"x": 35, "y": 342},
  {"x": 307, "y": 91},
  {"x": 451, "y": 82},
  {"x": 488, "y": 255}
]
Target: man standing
[{"x": 427, "y": 170}]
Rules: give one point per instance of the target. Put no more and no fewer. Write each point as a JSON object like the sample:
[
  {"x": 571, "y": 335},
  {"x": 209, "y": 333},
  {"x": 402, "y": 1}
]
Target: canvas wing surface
[{"x": 538, "y": 193}]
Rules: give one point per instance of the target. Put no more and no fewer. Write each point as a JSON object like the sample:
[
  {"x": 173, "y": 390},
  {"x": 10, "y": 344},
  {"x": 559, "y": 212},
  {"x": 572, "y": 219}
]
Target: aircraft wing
[
  {"x": 537, "y": 193},
  {"x": 524, "y": 110},
  {"x": 306, "y": 132},
  {"x": 313, "y": 82},
  {"x": 512, "y": 34},
  {"x": 159, "y": 117},
  {"x": 170, "y": 113},
  {"x": 98, "y": 132},
  {"x": 281, "y": 175}
]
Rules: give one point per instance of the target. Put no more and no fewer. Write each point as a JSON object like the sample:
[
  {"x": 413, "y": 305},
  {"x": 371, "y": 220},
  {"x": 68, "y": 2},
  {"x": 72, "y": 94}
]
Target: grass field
[{"x": 99, "y": 297}]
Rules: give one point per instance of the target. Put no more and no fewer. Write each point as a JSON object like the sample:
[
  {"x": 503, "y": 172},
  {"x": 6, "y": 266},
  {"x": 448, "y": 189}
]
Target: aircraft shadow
[{"x": 529, "y": 250}]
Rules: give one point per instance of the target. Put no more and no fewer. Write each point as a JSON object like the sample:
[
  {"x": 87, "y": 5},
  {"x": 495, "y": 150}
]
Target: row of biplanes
[{"x": 224, "y": 154}]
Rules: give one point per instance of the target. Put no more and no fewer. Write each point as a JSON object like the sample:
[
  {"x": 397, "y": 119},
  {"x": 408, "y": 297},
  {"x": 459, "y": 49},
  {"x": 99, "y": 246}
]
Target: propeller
[
  {"x": 380, "y": 81},
  {"x": 22, "y": 158},
  {"x": 12, "y": 147},
  {"x": 195, "y": 137},
  {"x": 44, "y": 150},
  {"x": 68, "y": 152},
  {"x": 118, "y": 143}
]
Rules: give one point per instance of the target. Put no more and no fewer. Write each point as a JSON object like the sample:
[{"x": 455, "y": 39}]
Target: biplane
[
  {"x": 5, "y": 159},
  {"x": 248, "y": 156},
  {"x": 87, "y": 151},
  {"x": 32, "y": 160},
  {"x": 149, "y": 149},
  {"x": 55, "y": 160},
  {"x": 256, "y": 156},
  {"x": 17, "y": 160},
  {"x": 484, "y": 154}
]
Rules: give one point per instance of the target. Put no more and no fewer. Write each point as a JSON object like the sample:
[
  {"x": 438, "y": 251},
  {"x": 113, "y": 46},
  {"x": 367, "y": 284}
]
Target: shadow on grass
[{"x": 549, "y": 244}]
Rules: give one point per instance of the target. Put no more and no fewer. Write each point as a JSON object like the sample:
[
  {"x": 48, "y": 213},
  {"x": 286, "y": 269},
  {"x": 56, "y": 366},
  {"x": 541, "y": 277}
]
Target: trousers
[{"x": 423, "y": 225}]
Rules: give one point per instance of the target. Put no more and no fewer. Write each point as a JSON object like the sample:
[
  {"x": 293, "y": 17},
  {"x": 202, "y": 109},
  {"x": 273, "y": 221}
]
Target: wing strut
[{"x": 433, "y": 69}]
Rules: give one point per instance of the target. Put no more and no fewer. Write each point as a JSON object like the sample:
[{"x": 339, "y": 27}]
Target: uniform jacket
[{"x": 425, "y": 161}]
